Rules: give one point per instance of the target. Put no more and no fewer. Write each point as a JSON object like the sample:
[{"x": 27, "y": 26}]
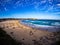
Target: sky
[{"x": 41, "y": 9}]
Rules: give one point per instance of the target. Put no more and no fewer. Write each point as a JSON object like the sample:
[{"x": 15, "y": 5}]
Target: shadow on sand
[{"x": 5, "y": 39}]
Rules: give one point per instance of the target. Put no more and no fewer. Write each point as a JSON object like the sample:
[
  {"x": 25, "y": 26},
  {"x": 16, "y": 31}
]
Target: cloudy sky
[{"x": 42, "y": 9}]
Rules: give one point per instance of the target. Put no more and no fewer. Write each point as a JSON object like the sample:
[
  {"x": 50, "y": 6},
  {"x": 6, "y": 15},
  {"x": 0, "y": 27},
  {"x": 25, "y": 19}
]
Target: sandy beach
[{"x": 28, "y": 35}]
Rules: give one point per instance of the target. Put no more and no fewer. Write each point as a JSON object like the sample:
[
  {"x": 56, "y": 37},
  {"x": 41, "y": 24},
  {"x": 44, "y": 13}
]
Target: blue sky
[{"x": 41, "y": 9}]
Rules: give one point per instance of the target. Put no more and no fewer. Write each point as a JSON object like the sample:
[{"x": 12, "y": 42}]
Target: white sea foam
[
  {"x": 42, "y": 25},
  {"x": 56, "y": 23}
]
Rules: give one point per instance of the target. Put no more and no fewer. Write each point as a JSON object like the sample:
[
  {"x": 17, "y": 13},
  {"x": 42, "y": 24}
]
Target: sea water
[{"x": 43, "y": 24}]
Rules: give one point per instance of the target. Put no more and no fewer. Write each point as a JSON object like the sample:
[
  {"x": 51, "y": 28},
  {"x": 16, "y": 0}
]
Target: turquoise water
[
  {"x": 43, "y": 22},
  {"x": 50, "y": 25}
]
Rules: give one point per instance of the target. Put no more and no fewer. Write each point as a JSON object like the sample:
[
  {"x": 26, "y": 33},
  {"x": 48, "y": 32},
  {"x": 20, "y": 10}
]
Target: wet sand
[{"x": 28, "y": 35}]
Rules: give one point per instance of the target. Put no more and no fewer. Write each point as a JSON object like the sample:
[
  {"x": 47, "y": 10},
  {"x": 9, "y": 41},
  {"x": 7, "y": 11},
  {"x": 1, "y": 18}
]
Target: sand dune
[{"x": 25, "y": 34}]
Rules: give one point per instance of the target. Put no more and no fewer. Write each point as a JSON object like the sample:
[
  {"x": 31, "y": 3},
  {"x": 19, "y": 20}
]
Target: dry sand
[{"x": 22, "y": 33}]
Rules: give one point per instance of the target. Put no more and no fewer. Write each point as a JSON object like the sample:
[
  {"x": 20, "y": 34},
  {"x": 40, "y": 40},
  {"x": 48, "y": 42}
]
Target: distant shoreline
[{"x": 27, "y": 19}]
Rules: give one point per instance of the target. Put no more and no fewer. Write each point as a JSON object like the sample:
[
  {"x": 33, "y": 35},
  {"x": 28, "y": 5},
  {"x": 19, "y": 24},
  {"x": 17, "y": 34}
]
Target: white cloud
[
  {"x": 5, "y": 9},
  {"x": 58, "y": 4},
  {"x": 43, "y": 1},
  {"x": 57, "y": 13}
]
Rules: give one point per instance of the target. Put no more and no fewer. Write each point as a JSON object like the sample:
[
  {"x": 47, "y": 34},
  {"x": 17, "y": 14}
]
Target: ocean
[{"x": 49, "y": 25}]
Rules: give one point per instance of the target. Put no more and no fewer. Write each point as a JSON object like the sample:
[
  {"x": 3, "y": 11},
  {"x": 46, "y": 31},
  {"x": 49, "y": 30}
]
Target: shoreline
[
  {"x": 43, "y": 28},
  {"x": 27, "y": 35}
]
